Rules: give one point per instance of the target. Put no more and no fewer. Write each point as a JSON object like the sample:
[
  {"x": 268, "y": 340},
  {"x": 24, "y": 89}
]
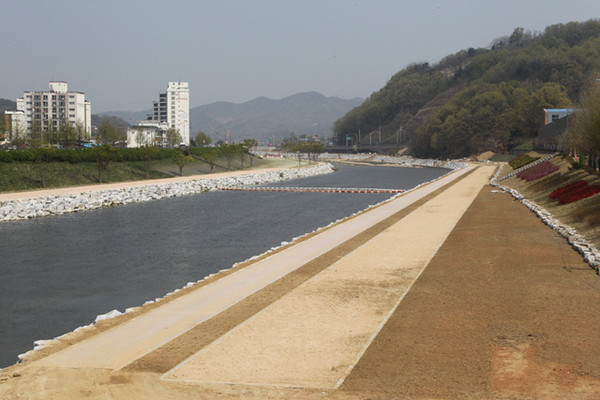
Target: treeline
[{"x": 481, "y": 99}]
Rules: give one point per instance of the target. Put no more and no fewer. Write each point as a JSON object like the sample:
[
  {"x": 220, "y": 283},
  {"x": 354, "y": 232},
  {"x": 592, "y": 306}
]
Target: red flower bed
[
  {"x": 574, "y": 192},
  {"x": 538, "y": 171}
]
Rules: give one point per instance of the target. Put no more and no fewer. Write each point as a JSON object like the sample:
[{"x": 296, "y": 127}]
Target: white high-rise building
[
  {"x": 173, "y": 108},
  {"x": 53, "y": 108}
]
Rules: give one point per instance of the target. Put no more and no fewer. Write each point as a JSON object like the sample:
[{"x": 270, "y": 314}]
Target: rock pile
[{"x": 55, "y": 205}]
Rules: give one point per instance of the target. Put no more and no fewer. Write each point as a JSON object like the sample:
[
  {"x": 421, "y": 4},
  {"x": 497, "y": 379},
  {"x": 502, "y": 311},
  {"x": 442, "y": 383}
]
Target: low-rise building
[{"x": 147, "y": 133}]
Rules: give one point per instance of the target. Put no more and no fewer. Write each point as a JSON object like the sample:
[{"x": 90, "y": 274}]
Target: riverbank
[
  {"x": 502, "y": 309},
  {"x": 48, "y": 202},
  {"x": 42, "y": 203}
]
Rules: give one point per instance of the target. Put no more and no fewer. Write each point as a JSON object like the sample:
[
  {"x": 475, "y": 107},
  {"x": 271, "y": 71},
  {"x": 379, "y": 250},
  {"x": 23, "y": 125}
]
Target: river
[{"x": 58, "y": 273}]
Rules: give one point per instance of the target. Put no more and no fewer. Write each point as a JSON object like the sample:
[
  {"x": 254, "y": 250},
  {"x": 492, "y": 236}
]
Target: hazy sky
[{"x": 122, "y": 53}]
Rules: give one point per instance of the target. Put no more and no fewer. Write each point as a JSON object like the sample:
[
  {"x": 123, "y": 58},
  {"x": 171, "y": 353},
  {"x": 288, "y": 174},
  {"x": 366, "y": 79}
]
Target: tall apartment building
[
  {"x": 54, "y": 107},
  {"x": 173, "y": 108}
]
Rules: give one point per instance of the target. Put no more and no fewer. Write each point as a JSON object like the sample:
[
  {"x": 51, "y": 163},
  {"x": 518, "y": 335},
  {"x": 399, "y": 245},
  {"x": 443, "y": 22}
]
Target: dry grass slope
[{"x": 583, "y": 215}]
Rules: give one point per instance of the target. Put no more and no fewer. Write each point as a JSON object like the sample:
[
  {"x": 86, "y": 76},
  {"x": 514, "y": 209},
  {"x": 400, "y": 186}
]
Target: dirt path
[{"x": 505, "y": 309}]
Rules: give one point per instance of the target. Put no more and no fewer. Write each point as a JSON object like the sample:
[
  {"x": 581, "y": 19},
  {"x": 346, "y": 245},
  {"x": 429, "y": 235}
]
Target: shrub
[{"x": 521, "y": 161}]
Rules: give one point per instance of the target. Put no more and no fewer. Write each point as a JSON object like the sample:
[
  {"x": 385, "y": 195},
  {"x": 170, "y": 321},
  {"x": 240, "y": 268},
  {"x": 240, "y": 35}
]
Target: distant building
[
  {"x": 556, "y": 122},
  {"x": 16, "y": 125},
  {"x": 147, "y": 133},
  {"x": 52, "y": 108},
  {"x": 554, "y": 114},
  {"x": 171, "y": 111}
]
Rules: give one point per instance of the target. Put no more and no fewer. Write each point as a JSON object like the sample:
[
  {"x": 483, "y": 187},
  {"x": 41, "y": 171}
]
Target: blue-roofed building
[{"x": 554, "y": 114}]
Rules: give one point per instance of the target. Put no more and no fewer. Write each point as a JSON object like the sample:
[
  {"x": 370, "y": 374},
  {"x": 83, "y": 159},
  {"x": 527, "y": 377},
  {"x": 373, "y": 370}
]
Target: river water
[{"x": 58, "y": 273}]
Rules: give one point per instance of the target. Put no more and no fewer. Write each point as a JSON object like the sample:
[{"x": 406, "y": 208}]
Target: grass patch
[{"x": 22, "y": 176}]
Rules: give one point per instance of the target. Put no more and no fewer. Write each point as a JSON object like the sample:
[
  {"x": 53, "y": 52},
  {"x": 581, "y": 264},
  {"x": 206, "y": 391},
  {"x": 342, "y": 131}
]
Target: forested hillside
[{"x": 481, "y": 99}]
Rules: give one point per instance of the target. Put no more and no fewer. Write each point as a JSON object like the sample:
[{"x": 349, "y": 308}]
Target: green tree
[
  {"x": 67, "y": 134},
  {"x": 248, "y": 144},
  {"x": 529, "y": 110},
  {"x": 229, "y": 151},
  {"x": 42, "y": 153},
  {"x": 584, "y": 133},
  {"x": 141, "y": 139},
  {"x": 104, "y": 154},
  {"x": 109, "y": 133},
  {"x": 202, "y": 139},
  {"x": 173, "y": 137},
  {"x": 211, "y": 155},
  {"x": 36, "y": 132},
  {"x": 51, "y": 133},
  {"x": 181, "y": 160},
  {"x": 81, "y": 133}
]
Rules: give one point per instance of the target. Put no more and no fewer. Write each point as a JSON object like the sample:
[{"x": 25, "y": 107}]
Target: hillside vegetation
[{"x": 481, "y": 99}]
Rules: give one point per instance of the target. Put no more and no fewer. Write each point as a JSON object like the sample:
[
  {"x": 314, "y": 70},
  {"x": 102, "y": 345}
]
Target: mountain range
[{"x": 309, "y": 113}]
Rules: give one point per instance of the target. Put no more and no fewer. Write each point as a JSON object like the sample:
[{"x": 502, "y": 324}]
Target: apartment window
[
  {"x": 45, "y": 97},
  {"x": 53, "y": 97},
  {"x": 555, "y": 117}
]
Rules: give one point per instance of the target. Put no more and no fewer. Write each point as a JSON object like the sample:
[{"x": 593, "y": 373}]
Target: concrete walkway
[{"x": 131, "y": 340}]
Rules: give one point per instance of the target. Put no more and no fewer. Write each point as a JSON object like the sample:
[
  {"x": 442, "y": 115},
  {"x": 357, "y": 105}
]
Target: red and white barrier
[{"x": 311, "y": 189}]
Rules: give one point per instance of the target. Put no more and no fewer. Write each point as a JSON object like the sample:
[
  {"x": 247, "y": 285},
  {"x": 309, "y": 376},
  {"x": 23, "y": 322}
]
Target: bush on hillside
[{"x": 521, "y": 161}]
